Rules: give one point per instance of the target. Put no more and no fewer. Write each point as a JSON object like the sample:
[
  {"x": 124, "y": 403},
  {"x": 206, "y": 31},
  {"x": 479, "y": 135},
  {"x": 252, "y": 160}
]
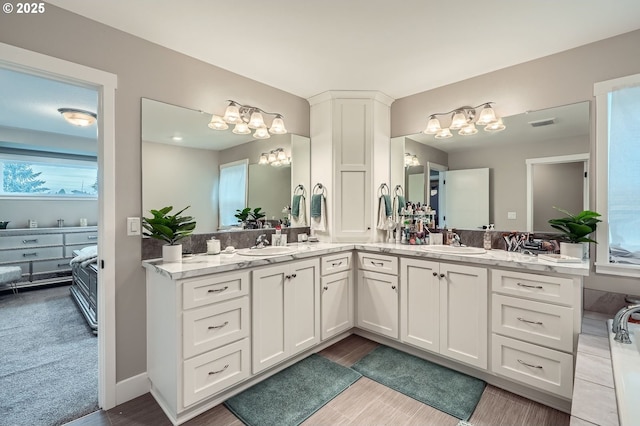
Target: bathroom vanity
[{"x": 217, "y": 324}]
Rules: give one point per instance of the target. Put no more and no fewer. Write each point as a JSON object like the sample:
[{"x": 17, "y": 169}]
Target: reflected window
[
  {"x": 233, "y": 191},
  {"x": 44, "y": 176},
  {"x": 619, "y": 175}
]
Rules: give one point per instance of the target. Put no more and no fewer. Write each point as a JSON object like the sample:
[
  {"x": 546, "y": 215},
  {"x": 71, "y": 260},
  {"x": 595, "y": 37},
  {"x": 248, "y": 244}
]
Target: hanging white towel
[
  {"x": 382, "y": 215},
  {"x": 395, "y": 209},
  {"x": 320, "y": 223},
  {"x": 301, "y": 219}
]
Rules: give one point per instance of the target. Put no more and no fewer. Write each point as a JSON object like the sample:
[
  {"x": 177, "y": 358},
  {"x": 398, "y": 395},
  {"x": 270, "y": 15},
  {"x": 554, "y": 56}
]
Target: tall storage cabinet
[{"x": 351, "y": 160}]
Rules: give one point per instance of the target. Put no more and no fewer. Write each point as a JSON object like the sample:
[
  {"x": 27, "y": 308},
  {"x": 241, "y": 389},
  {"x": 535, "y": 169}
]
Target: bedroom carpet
[{"x": 48, "y": 359}]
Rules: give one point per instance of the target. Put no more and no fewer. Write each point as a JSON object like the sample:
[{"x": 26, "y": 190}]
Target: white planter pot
[
  {"x": 577, "y": 250},
  {"x": 172, "y": 253}
]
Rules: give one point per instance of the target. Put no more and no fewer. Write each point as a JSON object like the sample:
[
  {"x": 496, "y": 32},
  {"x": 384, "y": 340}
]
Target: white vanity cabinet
[
  {"x": 535, "y": 322},
  {"x": 378, "y": 294},
  {"x": 337, "y": 294},
  {"x": 286, "y": 311},
  {"x": 443, "y": 309},
  {"x": 197, "y": 337}
]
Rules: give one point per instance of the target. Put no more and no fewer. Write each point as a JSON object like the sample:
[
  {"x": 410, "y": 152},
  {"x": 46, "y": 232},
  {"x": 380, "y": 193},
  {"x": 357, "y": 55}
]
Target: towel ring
[
  {"x": 300, "y": 188},
  {"x": 398, "y": 190},
  {"x": 382, "y": 188},
  {"x": 319, "y": 186}
]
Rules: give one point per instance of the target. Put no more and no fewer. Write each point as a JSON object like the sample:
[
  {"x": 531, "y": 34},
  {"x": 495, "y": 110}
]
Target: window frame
[{"x": 601, "y": 92}]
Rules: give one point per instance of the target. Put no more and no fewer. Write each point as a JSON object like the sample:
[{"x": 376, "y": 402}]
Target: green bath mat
[
  {"x": 294, "y": 394},
  {"x": 442, "y": 388}
]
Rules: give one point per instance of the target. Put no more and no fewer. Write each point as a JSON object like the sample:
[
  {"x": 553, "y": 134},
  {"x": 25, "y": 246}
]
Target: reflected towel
[
  {"x": 401, "y": 203},
  {"x": 382, "y": 217},
  {"x": 301, "y": 219},
  {"x": 295, "y": 205},
  {"x": 316, "y": 205},
  {"x": 319, "y": 223}
]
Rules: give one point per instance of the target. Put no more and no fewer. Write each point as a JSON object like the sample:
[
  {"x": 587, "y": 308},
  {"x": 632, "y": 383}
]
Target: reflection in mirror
[
  {"x": 414, "y": 184},
  {"x": 181, "y": 158},
  {"x": 546, "y": 133}
]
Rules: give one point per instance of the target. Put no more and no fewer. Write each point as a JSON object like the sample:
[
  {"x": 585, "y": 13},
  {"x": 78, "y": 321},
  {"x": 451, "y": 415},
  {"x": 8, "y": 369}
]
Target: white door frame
[
  {"x": 571, "y": 158},
  {"x": 105, "y": 83}
]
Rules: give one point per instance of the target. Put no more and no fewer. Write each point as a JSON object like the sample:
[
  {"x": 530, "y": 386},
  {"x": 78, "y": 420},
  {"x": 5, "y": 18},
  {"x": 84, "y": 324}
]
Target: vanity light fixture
[
  {"x": 462, "y": 120},
  {"x": 247, "y": 117},
  {"x": 410, "y": 160},
  {"x": 78, "y": 117},
  {"x": 276, "y": 158}
]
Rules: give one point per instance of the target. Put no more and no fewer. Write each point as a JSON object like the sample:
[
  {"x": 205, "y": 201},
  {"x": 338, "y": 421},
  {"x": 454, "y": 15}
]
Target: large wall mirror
[
  {"x": 555, "y": 140},
  {"x": 182, "y": 156}
]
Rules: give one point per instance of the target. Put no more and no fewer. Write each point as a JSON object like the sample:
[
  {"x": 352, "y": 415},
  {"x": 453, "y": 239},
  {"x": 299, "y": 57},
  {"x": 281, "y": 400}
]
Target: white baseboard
[{"x": 131, "y": 388}]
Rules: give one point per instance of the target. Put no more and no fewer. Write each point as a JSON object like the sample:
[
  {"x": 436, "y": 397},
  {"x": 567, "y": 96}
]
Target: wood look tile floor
[{"x": 365, "y": 403}]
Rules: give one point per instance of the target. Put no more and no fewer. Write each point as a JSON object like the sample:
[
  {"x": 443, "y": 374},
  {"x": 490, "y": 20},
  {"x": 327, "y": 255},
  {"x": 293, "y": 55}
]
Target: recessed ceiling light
[
  {"x": 78, "y": 117},
  {"x": 177, "y": 138}
]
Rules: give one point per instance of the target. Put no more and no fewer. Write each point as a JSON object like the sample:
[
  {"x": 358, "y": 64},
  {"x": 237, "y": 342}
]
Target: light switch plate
[
  {"x": 133, "y": 226},
  {"x": 512, "y": 215}
]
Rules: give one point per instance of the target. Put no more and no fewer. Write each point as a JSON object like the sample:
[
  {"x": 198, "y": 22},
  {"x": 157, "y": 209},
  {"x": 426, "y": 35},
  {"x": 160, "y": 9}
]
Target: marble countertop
[{"x": 202, "y": 264}]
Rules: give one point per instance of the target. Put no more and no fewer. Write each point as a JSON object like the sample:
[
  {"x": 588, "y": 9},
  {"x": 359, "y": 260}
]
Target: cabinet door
[
  {"x": 420, "y": 303},
  {"x": 463, "y": 314},
  {"x": 302, "y": 304},
  {"x": 378, "y": 303},
  {"x": 337, "y": 302},
  {"x": 268, "y": 317}
]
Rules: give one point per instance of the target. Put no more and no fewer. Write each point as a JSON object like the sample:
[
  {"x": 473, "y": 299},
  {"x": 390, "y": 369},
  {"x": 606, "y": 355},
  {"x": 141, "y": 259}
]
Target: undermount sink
[
  {"x": 453, "y": 249},
  {"x": 266, "y": 251}
]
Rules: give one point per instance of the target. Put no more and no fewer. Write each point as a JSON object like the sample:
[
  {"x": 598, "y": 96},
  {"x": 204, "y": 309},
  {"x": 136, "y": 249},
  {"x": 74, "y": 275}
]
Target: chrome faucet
[
  {"x": 261, "y": 242},
  {"x": 621, "y": 323}
]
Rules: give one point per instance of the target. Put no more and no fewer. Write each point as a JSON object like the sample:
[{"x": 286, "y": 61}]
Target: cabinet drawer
[
  {"x": 532, "y": 286},
  {"x": 542, "y": 368},
  {"x": 216, "y": 325},
  {"x": 54, "y": 265},
  {"x": 335, "y": 263},
  {"x": 40, "y": 240},
  {"x": 378, "y": 263},
  {"x": 535, "y": 322},
  {"x": 34, "y": 253},
  {"x": 214, "y": 288},
  {"x": 214, "y": 371},
  {"x": 86, "y": 238}
]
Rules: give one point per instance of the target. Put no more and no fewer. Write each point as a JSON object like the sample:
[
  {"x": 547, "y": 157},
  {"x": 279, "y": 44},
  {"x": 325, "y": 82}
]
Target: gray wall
[
  {"x": 144, "y": 70},
  {"x": 559, "y": 79},
  {"x": 559, "y": 185}
]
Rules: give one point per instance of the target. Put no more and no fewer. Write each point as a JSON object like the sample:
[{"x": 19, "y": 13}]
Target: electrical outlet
[
  {"x": 512, "y": 215},
  {"x": 133, "y": 226}
]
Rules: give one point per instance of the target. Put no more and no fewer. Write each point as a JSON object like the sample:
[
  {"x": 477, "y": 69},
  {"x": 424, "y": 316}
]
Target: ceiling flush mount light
[
  {"x": 78, "y": 117},
  {"x": 247, "y": 117},
  {"x": 465, "y": 119},
  {"x": 275, "y": 158},
  {"x": 410, "y": 160}
]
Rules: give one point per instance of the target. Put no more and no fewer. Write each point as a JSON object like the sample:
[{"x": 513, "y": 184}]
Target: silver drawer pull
[
  {"x": 530, "y": 322},
  {"x": 29, "y": 254},
  {"x": 215, "y": 327},
  {"x": 529, "y": 365},
  {"x": 35, "y": 240},
  {"x": 218, "y": 290},
  {"x": 529, "y": 286},
  {"x": 219, "y": 371},
  {"x": 336, "y": 263},
  {"x": 377, "y": 263},
  {"x": 60, "y": 265},
  {"x": 92, "y": 237}
]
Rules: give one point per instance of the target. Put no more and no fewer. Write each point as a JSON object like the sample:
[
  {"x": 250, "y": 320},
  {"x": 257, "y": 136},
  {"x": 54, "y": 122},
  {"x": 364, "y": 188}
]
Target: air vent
[{"x": 545, "y": 122}]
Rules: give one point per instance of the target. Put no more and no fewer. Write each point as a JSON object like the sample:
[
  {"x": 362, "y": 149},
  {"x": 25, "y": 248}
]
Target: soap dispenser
[{"x": 486, "y": 241}]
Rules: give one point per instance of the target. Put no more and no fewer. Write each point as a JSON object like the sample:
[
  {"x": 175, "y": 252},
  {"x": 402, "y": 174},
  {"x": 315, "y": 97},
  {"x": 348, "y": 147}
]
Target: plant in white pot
[
  {"x": 575, "y": 230},
  {"x": 169, "y": 228}
]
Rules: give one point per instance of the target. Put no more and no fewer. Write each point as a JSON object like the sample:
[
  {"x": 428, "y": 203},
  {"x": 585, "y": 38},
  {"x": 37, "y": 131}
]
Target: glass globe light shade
[
  {"x": 263, "y": 159},
  {"x": 256, "y": 121},
  {"x": 232, "y": 114},
  {"x": 469, "y": 129},
  {"x": 432, "y": 126},
  {"x": 443, "y": 134},
  {"x": 272, "y": 157},
  {"x": 217, "y": 123},
  {"x": 281, "y": 155},
  {"x": 487, "y": 115},
  {"x": 458, "y": 121},
  {"x": 496, "y": 126},
  {"x": 241, "y": 128},
  {"x": 277, "y": 126}
]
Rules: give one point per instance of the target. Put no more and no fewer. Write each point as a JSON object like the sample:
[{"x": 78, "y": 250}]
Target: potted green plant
[
  {"x": 249, "y": 218},
  {"x": 170, "y": 229},
  {"x": 575, "y": 231}
]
